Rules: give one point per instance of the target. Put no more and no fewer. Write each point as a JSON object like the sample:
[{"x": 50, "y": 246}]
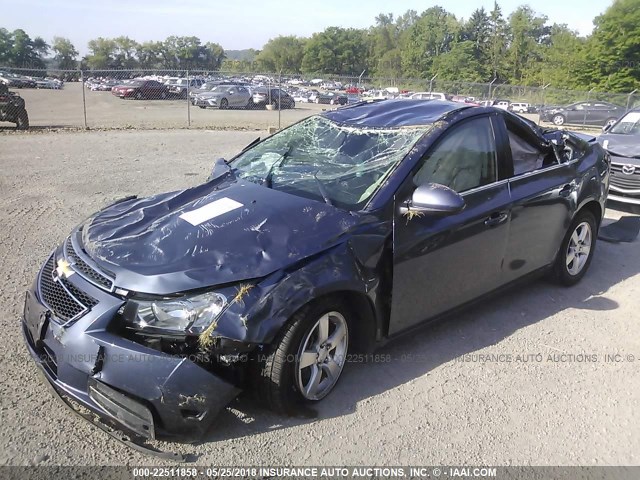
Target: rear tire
[
  {"x": 576, "y": 250},
  {"x": 305, "y": 361},
  {"x": 22, "y": 122}
]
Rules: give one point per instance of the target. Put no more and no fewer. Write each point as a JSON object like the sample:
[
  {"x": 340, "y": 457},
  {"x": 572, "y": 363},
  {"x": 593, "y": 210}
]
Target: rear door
[
  {"x": 543, "y": 194},
  {"x": 443, "y": 261}
]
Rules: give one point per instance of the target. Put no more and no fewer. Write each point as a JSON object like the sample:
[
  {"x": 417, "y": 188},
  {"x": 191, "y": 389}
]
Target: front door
[{"x": 441, "y": 262}]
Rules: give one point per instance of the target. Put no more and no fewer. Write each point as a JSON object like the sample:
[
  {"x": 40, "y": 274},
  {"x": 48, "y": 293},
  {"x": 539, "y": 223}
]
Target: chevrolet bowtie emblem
[{"x": 63, "y": 269}]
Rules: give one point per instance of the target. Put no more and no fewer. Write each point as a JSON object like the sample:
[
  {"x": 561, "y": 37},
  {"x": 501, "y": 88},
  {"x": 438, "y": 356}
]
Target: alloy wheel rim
[
  {"x": 322, "y": 356},
  {"x": 579, "y": 248}
]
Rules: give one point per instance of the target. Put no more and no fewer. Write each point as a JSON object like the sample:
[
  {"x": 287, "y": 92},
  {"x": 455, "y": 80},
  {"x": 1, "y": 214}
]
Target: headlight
[{"x": 177, "y": 316}]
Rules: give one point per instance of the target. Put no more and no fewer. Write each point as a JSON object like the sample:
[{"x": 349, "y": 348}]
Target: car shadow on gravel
[{"x": 431, "y": 346}]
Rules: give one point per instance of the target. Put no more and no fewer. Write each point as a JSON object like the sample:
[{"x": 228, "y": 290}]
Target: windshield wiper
[
  {"x": 323, "y": 191},
  {"x": 268, "y": 179}
]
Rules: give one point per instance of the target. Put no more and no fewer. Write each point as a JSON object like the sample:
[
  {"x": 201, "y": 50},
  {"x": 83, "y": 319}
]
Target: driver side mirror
[
  {"x": 433, "y": 198},
  {"x": 607, "y": 127}
]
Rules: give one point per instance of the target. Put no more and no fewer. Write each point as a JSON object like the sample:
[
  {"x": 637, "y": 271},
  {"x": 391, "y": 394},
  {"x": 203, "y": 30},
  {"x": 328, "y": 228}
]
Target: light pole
[
  {"x": 491, "y": 85},
  {"x": 629, "y": 99},
  {"x": 544, "y": 91},
  {"x": 431, "y": 84}
]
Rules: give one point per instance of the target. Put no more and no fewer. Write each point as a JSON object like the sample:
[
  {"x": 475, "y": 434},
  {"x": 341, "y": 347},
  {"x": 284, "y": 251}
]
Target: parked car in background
[
  {"x": 428, "y": 96},
  {"x": 205, "y": 87},
  {"x": 331, "y": 98},
  {"x": 225, "y": 96},
  {"x": 519, "y": 107},
  {"x": 141, "y": 90},
  {"x": 275, "y": 96},
  {"x": 301, "y": 97},
  {"x": 12, "y": 108},
  {"x": 502, "y": 104},
  {"x": 622, "y": 140},
  {"x": 583, "y": 113},
  {"x": 179, "y": 88}
]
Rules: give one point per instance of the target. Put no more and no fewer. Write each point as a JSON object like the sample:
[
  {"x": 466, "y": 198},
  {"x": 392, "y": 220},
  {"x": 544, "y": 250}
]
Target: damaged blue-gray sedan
[{"x": 327, "y": 238}]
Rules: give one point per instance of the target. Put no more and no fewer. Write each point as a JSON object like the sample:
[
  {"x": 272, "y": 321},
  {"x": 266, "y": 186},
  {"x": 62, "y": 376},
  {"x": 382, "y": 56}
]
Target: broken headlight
[{"x": 179, "y": 316}]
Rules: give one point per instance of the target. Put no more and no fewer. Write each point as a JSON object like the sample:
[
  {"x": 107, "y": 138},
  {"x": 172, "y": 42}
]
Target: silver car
[{"x": 225, "y": 96}]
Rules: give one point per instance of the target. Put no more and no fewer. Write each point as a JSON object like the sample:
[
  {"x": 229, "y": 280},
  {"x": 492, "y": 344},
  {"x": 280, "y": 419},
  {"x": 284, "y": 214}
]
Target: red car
[
  {"x": 141, "y": 89},
  {"x": 354, "y": 90}
]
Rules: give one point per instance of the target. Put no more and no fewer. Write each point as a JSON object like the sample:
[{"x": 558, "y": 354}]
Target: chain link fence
[{"x": 158, "y": 99}]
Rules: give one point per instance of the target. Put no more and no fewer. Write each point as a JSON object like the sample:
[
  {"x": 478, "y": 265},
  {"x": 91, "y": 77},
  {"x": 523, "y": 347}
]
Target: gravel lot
[{"x": 425, "y": 406}]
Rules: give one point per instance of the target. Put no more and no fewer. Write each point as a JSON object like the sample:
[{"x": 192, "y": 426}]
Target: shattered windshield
[
  {"x": 319, "y": 159},
  {"x": 628, "y": 125}
]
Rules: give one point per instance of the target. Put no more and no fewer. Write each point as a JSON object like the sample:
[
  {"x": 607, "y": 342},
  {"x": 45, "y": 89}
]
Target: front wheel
[
  {"x": 306, "y": 360},
  {"x": 224, "y": 104},
  {"x": 576, "y": 250}
]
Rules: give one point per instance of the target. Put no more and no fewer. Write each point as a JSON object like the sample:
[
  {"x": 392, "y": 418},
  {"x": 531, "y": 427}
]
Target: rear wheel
[
  {"x": 163, "y": 95},
  {"x": 22, "y": 122},
  {"x": 576, "y": 250},
  {"x": 306, "y": 360}
]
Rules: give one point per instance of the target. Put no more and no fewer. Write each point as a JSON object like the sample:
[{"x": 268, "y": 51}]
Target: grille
[
  {"x": 86, "y": 271},
  {"x": 621, "y": 180},
  {"x": 65, "y": 300}
]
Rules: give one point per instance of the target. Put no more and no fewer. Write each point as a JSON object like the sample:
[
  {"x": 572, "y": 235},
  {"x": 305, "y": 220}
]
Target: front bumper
[{"x": 142, "y": 391}]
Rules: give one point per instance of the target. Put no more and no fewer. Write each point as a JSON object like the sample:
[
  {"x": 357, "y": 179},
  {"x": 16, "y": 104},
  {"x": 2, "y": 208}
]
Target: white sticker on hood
[
  {"x": 210, "y": 210},
  {"x": 605, "y": 144}
]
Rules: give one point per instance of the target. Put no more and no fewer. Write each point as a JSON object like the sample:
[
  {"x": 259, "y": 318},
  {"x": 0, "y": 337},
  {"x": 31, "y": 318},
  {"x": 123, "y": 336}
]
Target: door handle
[
  {"x": 496, "y": 218},
  {"x": 568, "y": 189}
]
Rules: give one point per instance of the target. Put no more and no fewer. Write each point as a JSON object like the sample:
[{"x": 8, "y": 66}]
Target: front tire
[
  {"x": 305, "y": 361},
  {"x": 576, "y": 250},
  {"x": 224, "y": 104}
]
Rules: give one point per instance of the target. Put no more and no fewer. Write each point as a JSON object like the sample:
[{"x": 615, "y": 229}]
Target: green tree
[
  {"x": 125, "y": 53},
  {"x": 459, "y": 64},
  {"x": 65, "y": 53},
  {"x": 25, "y": 52},
  {"x": 102, "y": 53},
  {"x": 528, "y": 34},
  {"x": 341, "y": 51},
  {"x": 433, "y": 34},
  {"x": 614, "y": 48},
  {"x": 498, "y": 31},
  {"x": 282, "y": 54}
]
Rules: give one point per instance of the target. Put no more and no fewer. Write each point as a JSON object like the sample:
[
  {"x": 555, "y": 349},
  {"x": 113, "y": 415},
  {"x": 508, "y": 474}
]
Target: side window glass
[{"x": 465, "y": 159}]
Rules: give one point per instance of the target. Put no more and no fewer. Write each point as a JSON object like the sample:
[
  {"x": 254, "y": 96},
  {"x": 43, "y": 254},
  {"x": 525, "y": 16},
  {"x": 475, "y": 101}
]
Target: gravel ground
[{"x": 424, "y": 406}]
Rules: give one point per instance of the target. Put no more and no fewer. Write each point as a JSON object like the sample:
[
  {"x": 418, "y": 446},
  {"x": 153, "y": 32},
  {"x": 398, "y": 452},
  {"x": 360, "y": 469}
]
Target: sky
[{"x": 246, "y": 23}]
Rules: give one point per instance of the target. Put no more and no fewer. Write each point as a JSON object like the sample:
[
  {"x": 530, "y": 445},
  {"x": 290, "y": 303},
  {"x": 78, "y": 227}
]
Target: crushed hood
[{"x": 217, "y": 233}]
